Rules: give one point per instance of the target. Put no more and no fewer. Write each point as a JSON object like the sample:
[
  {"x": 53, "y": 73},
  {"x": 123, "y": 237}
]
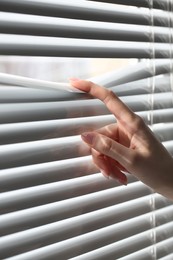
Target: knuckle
[
  {"x": 139, "y": 123},
  {"x": 90, "y": 86},
  {"x": 91, "y": 83},
  {"x": 134, "y": 160},
  {"x": 109, "y": 96},
  {"x": 106, "y": 146},
  {"x": 96, "y": 154}
]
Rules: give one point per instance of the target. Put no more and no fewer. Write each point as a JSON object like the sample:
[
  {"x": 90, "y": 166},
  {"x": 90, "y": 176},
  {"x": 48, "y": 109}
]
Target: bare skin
[{"x": 128, "y": 145}]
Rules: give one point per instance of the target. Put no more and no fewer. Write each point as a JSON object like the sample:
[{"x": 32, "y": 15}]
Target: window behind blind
[{"x": 54, "y": 203}]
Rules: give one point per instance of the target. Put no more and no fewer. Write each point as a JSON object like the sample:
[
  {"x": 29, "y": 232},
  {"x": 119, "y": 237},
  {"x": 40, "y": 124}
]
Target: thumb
[
  {"x": 109, "y": 147},
  {"x": 80, "y": 84}
]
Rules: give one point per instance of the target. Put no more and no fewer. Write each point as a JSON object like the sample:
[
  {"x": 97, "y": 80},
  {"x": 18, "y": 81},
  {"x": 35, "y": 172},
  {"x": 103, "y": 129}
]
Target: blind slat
[
  {"x": 24, "y": 94},
  {"x": 129, "y": 74},
  {"x": 41, "y": 192},
  {"x": 160, "y": 115},
  {"x": 69, "y": 248},
  {"x": 47, "y": 193},
  {"x": 169, "y": 146},
  {"x": 125, "y": 246},
  {"x": 143, "y": 86},
  {"x": 18, "y": 221},
  {"x": 162, "y": 248},
  {"x": 32, "y": 175},
  {"x": 164, "y": 132},
  {"x": 110, "y": 234},
  {"x": 13, "y": 155},
  {"x": 57, "y": 110},
  {"x": 34, "y": 83},
  {"x": 48, "y": 26},
  {"x": 69, "y": 47},
  {"x": 26, "y": 153},
  {"x": 36, "y": 130},
  {"x": 66, "y": 229},
  {"x": 144, "y": 3},
  {"x": 165, "y": 248},
  {"x": 55, "y": 191},
  {"x": 85, "y": 10},
  {"x": 143, "y": 254},
  {"x": 168, "y": 256},
  {"x": 30, "y": 131}
]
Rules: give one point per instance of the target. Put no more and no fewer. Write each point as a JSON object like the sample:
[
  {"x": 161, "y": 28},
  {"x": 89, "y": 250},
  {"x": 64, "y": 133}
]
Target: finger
[
  {"x": 105, "y": 163},
  {"x": 110, "y": 131},
  {"x": 103, "y": 144},
  {"x": 108, "y": 167},
  {"x": 121, "y": 167},
  {"x": 113, "y": 103},
  {"x": 100, "y": 160}
]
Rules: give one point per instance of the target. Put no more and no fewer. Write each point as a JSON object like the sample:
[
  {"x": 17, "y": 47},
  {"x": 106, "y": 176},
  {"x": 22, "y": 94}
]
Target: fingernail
[
  {"x": 104, "y": 174},
  {"x": 74, "y": 79},
  {"x": 87, "y": 137},
  {"x": 122, "y": 180}
]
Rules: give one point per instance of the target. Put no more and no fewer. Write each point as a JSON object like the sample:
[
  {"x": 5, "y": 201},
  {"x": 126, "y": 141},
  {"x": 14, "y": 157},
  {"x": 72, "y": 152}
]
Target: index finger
[{"x": 113, "y": 103}]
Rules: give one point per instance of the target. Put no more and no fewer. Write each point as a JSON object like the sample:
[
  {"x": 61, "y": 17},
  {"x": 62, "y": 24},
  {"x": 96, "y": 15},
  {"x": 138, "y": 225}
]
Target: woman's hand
[{"x": 128, "y": 145}]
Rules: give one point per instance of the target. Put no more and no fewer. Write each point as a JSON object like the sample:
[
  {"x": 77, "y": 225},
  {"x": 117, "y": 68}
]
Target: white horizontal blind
[{"x": 54, "y": 203}]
